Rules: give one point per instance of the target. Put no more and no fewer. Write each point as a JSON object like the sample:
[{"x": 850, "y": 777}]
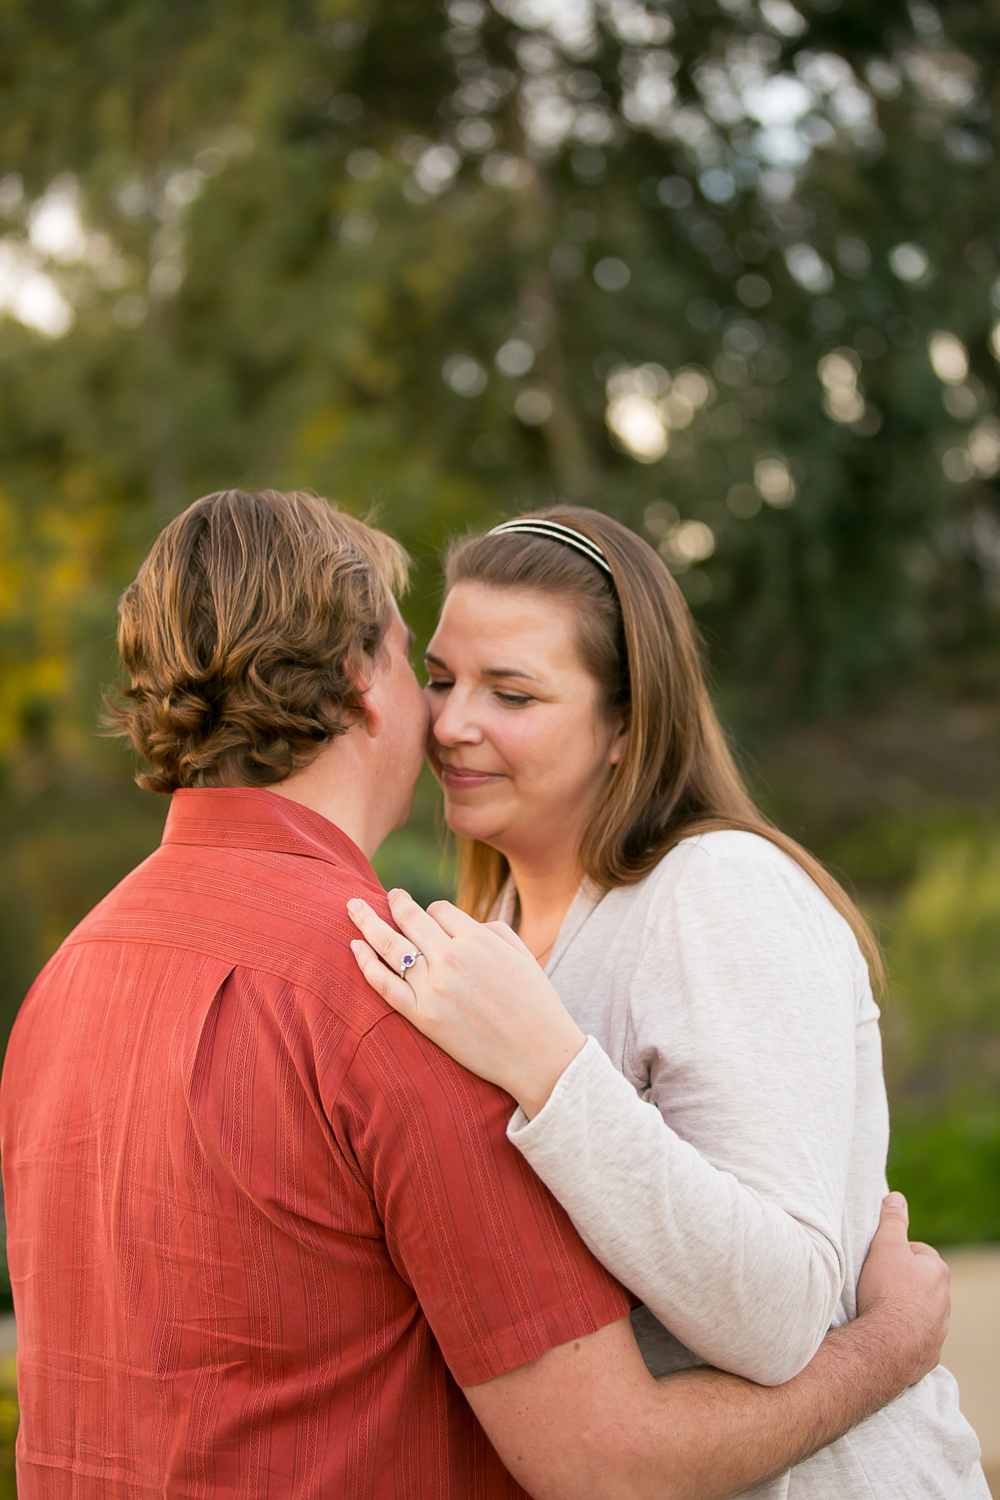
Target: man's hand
[
  {"x": 909, "y": 1283},
  {"x": 475, "y": 990}
]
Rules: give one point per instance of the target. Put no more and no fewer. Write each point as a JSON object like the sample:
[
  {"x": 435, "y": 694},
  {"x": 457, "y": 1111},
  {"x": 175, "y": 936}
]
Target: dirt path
[{"x": 972, "y": 1351}]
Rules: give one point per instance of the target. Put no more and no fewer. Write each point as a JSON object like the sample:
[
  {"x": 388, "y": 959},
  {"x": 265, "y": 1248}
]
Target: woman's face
[{"x": 518, "y": 737}]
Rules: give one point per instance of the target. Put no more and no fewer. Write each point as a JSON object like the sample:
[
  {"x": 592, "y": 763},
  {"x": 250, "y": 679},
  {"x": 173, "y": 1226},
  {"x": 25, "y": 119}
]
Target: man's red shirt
[{"x": 259, "y": 1228}]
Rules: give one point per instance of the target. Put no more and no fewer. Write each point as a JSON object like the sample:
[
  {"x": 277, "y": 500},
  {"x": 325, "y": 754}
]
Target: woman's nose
[{"x": 452, "y": 722}]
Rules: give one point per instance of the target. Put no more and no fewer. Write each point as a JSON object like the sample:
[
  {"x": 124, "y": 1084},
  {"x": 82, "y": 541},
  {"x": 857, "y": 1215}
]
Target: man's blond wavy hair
[{"x": 243, "y": 636}]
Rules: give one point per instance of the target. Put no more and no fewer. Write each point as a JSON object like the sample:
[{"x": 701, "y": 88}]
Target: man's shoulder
[{"x": 265, "y": 910}]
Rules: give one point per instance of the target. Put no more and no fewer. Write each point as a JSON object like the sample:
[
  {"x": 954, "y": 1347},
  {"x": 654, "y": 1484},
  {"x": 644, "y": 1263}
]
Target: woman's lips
[{"x": 459, "y": 778}]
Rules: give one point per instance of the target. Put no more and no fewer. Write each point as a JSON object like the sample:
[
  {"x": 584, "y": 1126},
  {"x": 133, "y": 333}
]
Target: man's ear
[
  {"x": 370, "y": 715},
  {"x": 374, "y": 717}
]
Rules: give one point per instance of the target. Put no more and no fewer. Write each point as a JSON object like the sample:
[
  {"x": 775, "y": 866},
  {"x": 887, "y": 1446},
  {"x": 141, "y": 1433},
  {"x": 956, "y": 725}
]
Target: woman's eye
[
  {"x": 437, "y": 684},
  {"x": 514, "y": 700}
]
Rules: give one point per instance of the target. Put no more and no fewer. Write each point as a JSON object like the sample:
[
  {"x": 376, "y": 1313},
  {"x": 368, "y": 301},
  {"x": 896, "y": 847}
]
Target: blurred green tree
[
  {"x": 723, "y": 268},
  {"x": 942, "y": 1023}
]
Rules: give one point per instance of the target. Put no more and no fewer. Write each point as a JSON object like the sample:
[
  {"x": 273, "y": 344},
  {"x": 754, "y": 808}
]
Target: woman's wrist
[{"x": 546, "y": 1065}]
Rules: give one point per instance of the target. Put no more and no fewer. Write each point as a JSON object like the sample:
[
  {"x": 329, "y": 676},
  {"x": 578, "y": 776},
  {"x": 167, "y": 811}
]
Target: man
[{"x": 262, "y": 1234}]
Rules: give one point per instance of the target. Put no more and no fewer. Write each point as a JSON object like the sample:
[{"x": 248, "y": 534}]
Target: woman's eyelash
[{"x": 512, "y": 700}]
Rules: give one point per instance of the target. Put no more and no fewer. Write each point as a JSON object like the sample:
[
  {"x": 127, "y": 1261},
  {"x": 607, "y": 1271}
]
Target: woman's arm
[
  {"x": 737, "y": 1279},
  {"x": 739, "y": 1256},
  {"x": 586, "y": 1419},
  {"x": 722, "y": 1207}
]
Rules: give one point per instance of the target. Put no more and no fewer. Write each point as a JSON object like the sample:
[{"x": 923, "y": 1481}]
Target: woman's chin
[{"x": 465, "y": 824}]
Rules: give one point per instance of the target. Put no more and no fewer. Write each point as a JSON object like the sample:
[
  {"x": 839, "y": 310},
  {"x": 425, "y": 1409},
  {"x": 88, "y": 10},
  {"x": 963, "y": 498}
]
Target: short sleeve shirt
[{"x": 260, "y": 1230}]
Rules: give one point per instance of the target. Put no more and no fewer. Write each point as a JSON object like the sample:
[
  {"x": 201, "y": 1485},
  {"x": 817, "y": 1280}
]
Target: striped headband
[{"x": 557, "y": 533}]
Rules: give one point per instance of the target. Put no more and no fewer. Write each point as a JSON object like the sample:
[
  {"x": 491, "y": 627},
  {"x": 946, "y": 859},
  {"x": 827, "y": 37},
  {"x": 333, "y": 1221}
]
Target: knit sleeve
[{"x": 716, "y": 1192}]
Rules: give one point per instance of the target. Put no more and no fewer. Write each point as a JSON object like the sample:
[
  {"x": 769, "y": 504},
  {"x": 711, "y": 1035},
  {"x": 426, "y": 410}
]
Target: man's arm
[{"x": 588, "y": 1419}]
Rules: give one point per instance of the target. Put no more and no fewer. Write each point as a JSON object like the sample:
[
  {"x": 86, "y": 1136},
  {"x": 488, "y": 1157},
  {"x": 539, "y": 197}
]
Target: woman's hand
[{"x": 475, "y": 990}]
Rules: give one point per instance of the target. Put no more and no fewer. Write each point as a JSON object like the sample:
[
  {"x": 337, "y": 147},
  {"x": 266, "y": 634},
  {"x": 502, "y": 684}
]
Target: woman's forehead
[
  {"x": 480, "y": 621},
  {"x": 486, "y": 605}
]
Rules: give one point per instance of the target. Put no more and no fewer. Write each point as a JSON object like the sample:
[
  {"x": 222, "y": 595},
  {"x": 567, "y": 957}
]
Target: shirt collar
[{"x": 256, "y": 818}]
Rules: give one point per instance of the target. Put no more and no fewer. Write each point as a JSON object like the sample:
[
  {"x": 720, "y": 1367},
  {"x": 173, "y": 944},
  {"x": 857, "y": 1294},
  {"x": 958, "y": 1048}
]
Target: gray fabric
[{"x": 720, "y": 1142}]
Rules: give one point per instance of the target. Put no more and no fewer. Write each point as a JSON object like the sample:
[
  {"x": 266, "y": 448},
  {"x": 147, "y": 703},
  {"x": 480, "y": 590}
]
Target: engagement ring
[{"x": 407, "y": 961}]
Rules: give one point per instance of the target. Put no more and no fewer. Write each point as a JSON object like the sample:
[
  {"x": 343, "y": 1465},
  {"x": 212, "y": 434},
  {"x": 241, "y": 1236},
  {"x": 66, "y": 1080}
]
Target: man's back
[{"x": 249, "y": 1206}]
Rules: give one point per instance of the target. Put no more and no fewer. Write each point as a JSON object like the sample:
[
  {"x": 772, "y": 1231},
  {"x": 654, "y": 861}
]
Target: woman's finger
[
  {"x": 422, "y": 929},
  {"x": 383, "y": 981},
  {"x": 454, "y": 921},
  {"x": 505, "y": 931},
  {"x": 386, "y": 941}
]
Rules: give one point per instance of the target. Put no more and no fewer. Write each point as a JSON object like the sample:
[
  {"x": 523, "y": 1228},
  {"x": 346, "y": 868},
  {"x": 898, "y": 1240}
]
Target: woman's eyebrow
[
  {"x": 436, "y": 661},
  {"x": 509, "y": 672}
]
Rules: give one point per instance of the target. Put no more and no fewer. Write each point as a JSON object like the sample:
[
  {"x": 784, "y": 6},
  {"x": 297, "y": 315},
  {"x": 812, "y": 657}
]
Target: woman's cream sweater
[{"x": 720, "y": 1142}]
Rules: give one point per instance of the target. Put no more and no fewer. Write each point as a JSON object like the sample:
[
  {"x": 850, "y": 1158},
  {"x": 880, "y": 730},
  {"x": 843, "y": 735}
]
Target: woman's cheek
[
  {"x": 538, "y": 740},
  {"x": 510, "y": 741},
  {"x": 434, "y": 708}
]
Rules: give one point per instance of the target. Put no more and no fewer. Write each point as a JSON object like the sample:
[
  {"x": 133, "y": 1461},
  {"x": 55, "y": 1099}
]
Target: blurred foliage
[
  {"x": 942, "y": 1027},
  {"x": 941, "y": 1015},
  {"x": 421, "y": 256},
  {"x": 8, "y": 1427},
  {"x": 727, "y": 269},
  {"x": 945, "y": 952}
]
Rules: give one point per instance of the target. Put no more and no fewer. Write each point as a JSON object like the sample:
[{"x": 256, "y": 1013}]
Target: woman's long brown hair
[{"x": 677, "y": 777}]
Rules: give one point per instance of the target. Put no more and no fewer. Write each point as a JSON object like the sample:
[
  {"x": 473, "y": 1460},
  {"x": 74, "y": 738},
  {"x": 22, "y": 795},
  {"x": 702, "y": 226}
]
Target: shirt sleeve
[
  {"x": 720, "y": 1201},
  {"x": 497, "y": 1267}
]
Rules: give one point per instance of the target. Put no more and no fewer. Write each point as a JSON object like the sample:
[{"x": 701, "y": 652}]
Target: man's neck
[{"x": 339, "y": 785}]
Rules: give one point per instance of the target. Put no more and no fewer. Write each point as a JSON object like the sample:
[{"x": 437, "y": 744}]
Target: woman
[{"x": 706, "y": 1096}]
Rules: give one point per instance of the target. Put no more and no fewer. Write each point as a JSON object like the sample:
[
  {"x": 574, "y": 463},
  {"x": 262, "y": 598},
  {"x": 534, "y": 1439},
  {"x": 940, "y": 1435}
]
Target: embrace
[{"x": 571, "y": 1190}]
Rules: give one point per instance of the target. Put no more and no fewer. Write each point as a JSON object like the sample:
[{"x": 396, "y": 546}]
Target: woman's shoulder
[
  {"x": 711, "y": 867},
  {"x": 743, "y": 888},
  {"x": 713, "y": 852}
]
